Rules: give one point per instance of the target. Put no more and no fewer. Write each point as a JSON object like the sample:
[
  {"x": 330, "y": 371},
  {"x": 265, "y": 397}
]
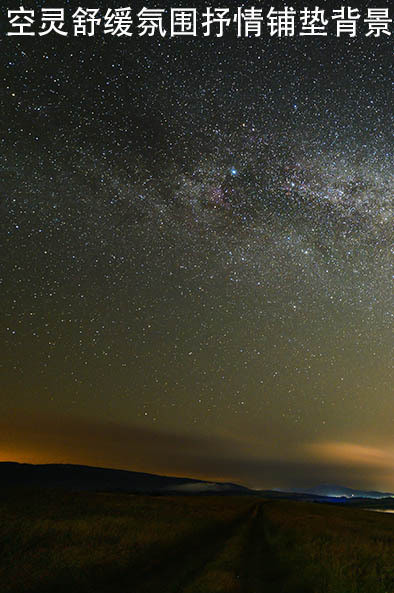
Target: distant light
[{"x": 233, "y": 171}]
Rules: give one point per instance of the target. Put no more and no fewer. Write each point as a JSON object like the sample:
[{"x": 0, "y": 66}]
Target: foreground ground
[{"x": 110, "y": 543}]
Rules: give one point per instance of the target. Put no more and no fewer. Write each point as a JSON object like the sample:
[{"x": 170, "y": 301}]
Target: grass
[
  {"x": 86, "y": 542},
  {"x": 82, "y": 542},
  {"x": 339, "y": 549}
]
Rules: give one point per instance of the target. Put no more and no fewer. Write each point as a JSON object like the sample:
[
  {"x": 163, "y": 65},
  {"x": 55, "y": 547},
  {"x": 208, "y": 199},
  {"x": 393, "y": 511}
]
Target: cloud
[
  {"x": 48, "y": 439},
  {"x": 342, "y": 452}
]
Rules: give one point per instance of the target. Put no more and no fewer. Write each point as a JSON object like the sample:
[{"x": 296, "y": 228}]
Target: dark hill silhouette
[
  {"x": 86, "y": 478},
  {"x": 82, "y": 477}
]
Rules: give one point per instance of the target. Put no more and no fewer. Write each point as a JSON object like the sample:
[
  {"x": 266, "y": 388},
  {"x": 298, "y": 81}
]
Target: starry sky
[{"x": 196, "y": 255}]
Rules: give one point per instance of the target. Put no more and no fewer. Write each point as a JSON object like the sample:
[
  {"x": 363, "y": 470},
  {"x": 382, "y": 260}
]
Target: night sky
[{"x": 196, "y": 264}]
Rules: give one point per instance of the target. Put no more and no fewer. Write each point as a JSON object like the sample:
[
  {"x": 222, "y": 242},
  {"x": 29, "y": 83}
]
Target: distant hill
[
  {"x": 86, "y": 478},
  {"x": 333, "y": 491},
  {"x": 83, "y": 477}
]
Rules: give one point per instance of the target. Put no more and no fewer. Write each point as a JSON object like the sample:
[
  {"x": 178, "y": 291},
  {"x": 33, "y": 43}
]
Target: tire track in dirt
[
  {"x": 246, "y": 563},
  {"x": 263, "y": 572},
  {"x": 223, "y": 572},
  {"x": 238, "y": 559},
  {"x": 179, "y": 573}
]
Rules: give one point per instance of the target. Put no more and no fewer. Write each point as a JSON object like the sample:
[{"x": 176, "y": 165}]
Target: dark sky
[{"x": 196, "y": 276}]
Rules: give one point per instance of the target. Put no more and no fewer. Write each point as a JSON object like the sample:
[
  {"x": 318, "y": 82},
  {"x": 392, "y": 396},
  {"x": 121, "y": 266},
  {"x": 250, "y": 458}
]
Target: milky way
[{"x": 197, "y": 243}]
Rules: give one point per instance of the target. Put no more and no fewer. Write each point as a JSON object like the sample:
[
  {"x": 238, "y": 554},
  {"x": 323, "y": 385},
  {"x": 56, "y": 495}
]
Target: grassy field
[
  {"x": 112, "y": 543},
  {"x": 340, "y": 549}
]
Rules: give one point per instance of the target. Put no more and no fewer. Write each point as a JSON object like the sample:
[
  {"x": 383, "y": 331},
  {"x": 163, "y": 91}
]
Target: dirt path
[
  {"x": 263, "y": 571},
  {"x": 237, "y": 561},
  {"x": 180, "y": 573}
]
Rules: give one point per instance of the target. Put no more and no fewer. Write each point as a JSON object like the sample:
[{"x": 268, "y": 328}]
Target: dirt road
[{"x": 236, "y": 560}]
